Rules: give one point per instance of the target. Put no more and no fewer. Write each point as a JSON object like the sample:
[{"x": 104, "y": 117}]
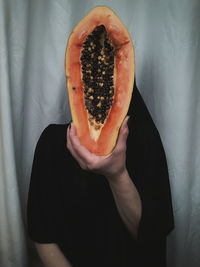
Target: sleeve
[
  {"x": 42, "y": 197},
  {"x": 152, "y": 182}
]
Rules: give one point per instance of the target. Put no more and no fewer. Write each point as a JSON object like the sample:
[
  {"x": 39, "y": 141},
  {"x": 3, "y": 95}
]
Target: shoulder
[
  {"x": 53, "y": 131},
  {"x": 51, "y": 138}
]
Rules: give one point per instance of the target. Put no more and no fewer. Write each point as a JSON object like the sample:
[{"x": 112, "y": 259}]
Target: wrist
[{"x": 118, "y": 177}]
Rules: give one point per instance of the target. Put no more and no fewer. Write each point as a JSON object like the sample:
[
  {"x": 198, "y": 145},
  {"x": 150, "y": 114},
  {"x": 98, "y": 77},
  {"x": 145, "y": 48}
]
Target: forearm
[
  {"x": 51, "y": 255},
  {"x": 127, "y": 200}
]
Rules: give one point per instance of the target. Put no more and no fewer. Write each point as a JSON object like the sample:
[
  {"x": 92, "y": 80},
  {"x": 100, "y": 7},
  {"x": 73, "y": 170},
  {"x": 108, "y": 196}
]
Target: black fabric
[{"x": 76, "y": 208}]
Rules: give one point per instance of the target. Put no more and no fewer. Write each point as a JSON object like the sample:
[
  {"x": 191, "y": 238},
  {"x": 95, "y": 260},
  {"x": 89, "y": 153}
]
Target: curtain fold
[
  {"x": 33, "y": 38},
  {"x": 13, "y": 251}
]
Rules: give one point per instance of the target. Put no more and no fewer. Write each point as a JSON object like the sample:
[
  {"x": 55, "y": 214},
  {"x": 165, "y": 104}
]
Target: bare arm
[
  {"x": 113, "y": 167},
  {"x": 51, "y": 255},
  {"x": 127, "y": 200}
]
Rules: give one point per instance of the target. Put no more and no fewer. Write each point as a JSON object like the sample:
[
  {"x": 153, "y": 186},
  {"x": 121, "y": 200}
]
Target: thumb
[{"x": 123, "y": 134}]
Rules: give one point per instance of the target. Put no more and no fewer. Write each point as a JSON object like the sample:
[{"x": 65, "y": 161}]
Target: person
[{"x": 108, "y": 211}]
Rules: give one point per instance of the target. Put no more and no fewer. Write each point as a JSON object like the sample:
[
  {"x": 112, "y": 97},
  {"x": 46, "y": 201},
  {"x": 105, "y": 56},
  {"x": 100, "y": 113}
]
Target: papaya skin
[{"x": 123, "y": 78}]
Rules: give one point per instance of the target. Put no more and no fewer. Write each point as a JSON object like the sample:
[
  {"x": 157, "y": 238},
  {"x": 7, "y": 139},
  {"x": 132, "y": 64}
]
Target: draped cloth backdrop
[{"x": 33, "y": 37}]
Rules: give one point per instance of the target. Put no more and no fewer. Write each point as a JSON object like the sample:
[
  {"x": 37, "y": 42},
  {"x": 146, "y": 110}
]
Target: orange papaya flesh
[{"x": 99, "y": 65}]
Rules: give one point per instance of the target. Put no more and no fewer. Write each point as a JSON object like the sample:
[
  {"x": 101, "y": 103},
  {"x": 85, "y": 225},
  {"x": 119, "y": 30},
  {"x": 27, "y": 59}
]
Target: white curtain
[{"x": 33, "y": 37}]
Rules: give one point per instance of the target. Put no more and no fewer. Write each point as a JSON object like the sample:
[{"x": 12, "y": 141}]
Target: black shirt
[{"x": 76, "y": 209}]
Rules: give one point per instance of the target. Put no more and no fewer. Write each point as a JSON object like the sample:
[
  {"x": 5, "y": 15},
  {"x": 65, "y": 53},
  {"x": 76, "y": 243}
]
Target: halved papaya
[{"x": 99, "y": 65}]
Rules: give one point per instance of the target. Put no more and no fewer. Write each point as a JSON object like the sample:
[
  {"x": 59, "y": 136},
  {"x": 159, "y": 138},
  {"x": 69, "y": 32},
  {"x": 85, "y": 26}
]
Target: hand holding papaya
[{"x": 112, "y": 165}]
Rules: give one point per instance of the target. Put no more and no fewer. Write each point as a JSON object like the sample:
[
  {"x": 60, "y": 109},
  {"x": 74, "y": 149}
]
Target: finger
[
  {"x": 80, "y": 150},
  {"x": 123, "y": 134},
  {"x": 72, "y": 151},
  {"x": 69, "y": 145}
]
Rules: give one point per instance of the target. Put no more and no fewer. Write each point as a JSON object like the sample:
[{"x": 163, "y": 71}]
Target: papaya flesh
[{"x": 99, "y": 66}]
